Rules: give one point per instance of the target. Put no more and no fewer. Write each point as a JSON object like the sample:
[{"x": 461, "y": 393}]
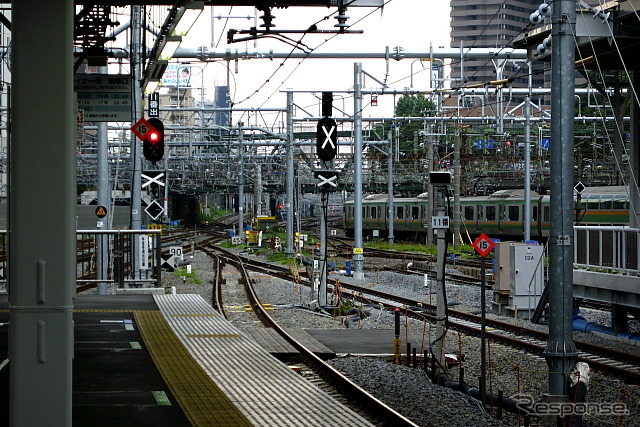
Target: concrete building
[{"x": 491, "y": 24}]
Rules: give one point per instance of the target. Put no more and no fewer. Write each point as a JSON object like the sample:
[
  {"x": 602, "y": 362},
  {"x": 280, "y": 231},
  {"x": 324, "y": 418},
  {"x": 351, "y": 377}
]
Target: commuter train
[{"x": 499, "y": 215}]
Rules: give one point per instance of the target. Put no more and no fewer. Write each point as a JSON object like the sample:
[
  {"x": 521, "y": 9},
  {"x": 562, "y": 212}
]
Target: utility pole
[
  {"x": 257, "y": 191},
  {"x": 527, "y": 162},
  {"x": 441, "y": 308},
  {"x": 390, "y": 206},
  {"x": 290, "y": 179},
  {"x": 358, "y": 256},
  {"x": 560, "y": 352},
  {"x": 240, "y": 183},
  {"x": 104, "y": 199},
  {"x": 322, "y": 291},
  {"x": 136, "y": 158},
  {"x": 456, "y": 188},
  {"x": 430, "y": 196}
]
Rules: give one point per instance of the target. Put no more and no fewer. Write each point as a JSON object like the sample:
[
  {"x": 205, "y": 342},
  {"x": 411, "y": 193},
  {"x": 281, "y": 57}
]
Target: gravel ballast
[{"x": 408, "y": 389}]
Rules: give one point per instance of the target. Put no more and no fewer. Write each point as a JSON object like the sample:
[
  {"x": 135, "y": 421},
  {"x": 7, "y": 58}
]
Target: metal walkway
[{"x": 266, "y": 391}]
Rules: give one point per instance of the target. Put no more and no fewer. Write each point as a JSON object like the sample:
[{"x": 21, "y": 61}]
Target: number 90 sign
[{"x": 176, "y": 251}]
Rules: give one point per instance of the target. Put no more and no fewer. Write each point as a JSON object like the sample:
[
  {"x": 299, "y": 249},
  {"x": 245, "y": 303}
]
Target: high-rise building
[{"x": 491, "y": 24}]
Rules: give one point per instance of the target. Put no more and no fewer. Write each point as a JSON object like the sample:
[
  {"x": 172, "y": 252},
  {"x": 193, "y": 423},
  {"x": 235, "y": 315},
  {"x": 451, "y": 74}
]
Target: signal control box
[{"x": 520, "y": 273}]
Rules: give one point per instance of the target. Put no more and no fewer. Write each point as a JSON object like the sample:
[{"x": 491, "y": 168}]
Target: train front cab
[{"x": 606, "y": 209}]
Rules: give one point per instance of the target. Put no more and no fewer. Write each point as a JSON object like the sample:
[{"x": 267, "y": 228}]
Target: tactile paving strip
[
  {"x": 267, "y": 391},
  {"x": 202, "y": 401}
]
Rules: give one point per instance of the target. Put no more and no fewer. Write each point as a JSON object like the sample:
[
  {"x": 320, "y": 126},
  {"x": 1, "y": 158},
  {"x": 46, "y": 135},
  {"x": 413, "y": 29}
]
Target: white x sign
[
  {"x": 152, "y": 179},
  {"x": 328, "y": 136},
  {"x": 326, "y": 181}
]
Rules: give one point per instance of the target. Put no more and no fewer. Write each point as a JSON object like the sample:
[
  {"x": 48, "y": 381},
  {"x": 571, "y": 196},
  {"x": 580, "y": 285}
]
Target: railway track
[
  {"x": 605, "y": 359},
  {"x": 314, "y": 367}
]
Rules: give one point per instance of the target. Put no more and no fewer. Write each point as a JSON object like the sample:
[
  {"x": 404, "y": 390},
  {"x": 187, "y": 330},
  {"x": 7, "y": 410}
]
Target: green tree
[{"x": 414, "y": 106}]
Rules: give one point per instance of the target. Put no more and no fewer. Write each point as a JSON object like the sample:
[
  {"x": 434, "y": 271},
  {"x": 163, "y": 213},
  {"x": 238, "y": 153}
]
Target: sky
[{"x": 413, "y": 25}]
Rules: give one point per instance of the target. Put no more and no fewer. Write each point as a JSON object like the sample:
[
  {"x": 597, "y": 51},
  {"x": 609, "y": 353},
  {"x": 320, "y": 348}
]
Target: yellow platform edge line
[{"x": 200, "y": 398}]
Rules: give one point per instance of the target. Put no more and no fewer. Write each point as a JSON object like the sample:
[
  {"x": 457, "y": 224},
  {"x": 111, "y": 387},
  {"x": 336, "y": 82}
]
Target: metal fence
[
  {"x": 607, "y": 249},
  {"x": 118, "y": 264},
  {"x": 109, "y": 257}
]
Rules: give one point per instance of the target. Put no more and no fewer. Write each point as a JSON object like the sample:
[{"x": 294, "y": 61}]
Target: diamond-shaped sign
[
  {"x": 141, "y": 128},
  {"x": 483, "y": 245},
  {"x": 168, "y": 262},
  {"x": 154, "y": 210}
]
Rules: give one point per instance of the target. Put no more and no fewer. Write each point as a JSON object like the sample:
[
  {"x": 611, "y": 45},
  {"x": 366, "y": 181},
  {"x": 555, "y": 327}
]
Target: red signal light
[{"x": 153, "y": 143}]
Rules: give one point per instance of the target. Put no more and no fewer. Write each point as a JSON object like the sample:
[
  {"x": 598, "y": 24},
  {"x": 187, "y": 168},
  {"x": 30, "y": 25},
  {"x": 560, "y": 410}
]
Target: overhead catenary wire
[{"x": 305, "y": 57}]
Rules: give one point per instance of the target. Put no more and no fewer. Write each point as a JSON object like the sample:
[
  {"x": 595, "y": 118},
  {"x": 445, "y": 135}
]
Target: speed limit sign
[
  {"x": 176, "y": 251},
  {"x": 483, "y": 245},
  {"x": 141, "y": 128}
]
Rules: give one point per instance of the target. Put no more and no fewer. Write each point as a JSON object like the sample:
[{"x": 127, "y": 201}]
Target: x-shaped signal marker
[
  {"x": 152, "y": 179},
  {"x": 328, "y": 181},
  {"x": 328, "y": 137}
]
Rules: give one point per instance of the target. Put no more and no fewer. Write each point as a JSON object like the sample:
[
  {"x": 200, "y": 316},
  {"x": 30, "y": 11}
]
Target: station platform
[
  {"x": 171, "y": 360},
  {"x": 115, "y": 381}
]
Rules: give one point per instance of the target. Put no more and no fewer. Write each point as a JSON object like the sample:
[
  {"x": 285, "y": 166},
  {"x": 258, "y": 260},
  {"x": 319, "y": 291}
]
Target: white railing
[{"x": 609, "y": 249}]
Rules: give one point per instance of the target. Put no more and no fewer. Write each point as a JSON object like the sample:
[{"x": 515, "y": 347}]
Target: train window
[
  {"x": 620, "y": 202},
  {"x": 606, "y": 203},
  {"x": 546, "y": 214},
  {"x": 480, "y": 215},
  {"x": 373, "y": 212},
  {"x": 423, "y": 211},
  {"x": 490, "y": 212},
  {"x": 593, "y": 202},
  {"x": 415, "y": 212},
  {"x": 513, "y": 213},
  {"x": 534, "y": 217},
  {"x": 379, "y": 211},
  {"x": 400, "y": 212},
  {"x": 468, "y": 213}
]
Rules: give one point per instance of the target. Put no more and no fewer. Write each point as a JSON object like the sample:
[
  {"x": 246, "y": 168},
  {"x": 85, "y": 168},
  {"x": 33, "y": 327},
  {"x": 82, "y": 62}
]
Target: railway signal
[
  {"x": 327, "y": 141},
  {"x": 327, "y": 104},
  {"x": 153, "y": 141},
  {"x": 327, "y": 132},
  {"x": 328, "y": 179}
]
